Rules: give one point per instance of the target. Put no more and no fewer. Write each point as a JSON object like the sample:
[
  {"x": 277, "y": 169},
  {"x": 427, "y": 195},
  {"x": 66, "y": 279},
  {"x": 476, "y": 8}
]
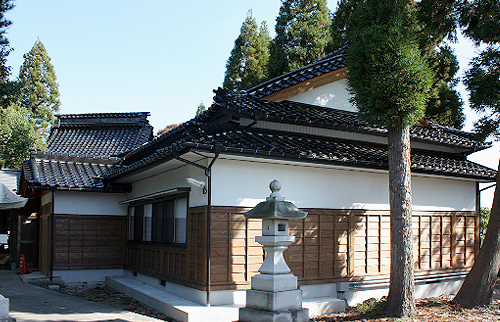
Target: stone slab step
[
  {"x": 174, "y": 306},
  {"x": 323, "y": 305}
]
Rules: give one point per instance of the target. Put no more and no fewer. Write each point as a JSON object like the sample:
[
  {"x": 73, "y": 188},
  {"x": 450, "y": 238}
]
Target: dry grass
[{"x": 435, "y": 309}]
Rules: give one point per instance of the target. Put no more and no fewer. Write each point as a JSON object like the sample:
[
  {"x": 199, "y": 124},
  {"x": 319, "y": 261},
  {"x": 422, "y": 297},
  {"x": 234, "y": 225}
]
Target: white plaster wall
[
  {"x": 169, "y": 180},
  {"x": 88, "y": 203},
  {"x": 333, "y": 95},
  {"x": 244, "y": 183},
  {"x": 46, "y": 198}
]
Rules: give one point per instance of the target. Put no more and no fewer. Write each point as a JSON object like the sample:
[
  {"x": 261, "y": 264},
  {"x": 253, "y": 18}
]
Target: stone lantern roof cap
[{"x": 275, "y": 206}]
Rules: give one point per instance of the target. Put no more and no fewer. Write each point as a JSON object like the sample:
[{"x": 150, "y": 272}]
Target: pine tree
[
  {"x": 390, "y": 81},
  {"x": 8, "y": 89},
  {"x": 436, "y": 21},
  {"x": 302, "y": 34},
  {"x": 480, "y": 21},
  {"x": 445, "y": 105},
  {"x": 201, "y": 109},
  {"x": 247, "y": 64},
  {"x": 39, "y": 88}
]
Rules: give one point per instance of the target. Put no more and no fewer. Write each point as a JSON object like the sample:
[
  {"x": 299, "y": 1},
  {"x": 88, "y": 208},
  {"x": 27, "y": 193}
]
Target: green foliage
[
  {"x": 435, "y": 20},
  {"x": 445, "y": 106},
  {"x": 18, "y": 134},
  {"x": 388, "y": 77},
  {"x": 39, "y": 88},
  {"x": 480, "y": 20},
  {"x": 201, "y": 109},
  {"x": 372, "y": 307},
  {"x": 5, "y": 5},
  {"x": 438, "y": 20},
  {"x": 483, "y": 82},
  {"x": 302, "y": 34},
  {"x": 247, "y": 64},
  {"x": 340, "y": 20},
  {"x": 485, "y": 218}
]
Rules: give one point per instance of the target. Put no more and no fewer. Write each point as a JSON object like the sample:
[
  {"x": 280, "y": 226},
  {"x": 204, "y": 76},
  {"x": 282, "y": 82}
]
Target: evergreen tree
[
  {"x": 480, "y": 21},
  {"x": 8, "y": 89},
  {"x": 445, "y": 106},
  {"x": 39, "y": 88},
  {"x": 247, "y": 64},
  {"x": 302, "y": 34},
  {"x": 18, "y": 134},
  {"x": 201, "y": 109},
  {"x": 5, "y": 5},
  {"x": 390, "y": 82},
  {"x": 436, "y": 21}
]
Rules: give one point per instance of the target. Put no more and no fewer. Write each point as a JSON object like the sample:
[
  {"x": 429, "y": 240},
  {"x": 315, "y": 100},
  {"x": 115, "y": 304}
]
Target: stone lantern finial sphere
[{"x": 275, "y": 185}]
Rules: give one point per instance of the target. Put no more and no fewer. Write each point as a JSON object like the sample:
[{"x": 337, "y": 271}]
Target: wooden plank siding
[
  {"x": 89, "y": 242},
  {"x": 339, "y": 245},
  {"x": 182, "y": 265},
  {"x": 330, "y": 245}
]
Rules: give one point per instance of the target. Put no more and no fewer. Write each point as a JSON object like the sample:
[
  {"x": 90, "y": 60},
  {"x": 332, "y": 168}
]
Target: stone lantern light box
[{"x": 274, "y": 295}]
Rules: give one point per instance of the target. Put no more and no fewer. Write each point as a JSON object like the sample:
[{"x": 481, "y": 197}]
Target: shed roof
[{"x": 68, "y": 172}]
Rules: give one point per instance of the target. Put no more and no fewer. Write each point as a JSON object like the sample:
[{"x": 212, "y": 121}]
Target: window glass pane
[
  {"x": 148, "y": 214},
  {"x": 157, "y": 222},
  {"x": 180, "y": 220},
  {"x": 168, "y": 224},
  {"x": 138, "y": 214},
  {"x": 131, "y": 223}
]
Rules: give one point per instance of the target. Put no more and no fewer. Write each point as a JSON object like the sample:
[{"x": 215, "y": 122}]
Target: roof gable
[
  {"x": 326, "y": 70},
  {"x": 100, "y": 134}
]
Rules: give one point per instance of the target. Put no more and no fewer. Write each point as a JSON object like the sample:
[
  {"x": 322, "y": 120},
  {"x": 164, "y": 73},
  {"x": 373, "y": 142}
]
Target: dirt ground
[
  {"x": 99, "y": 292},
  {"x": 435, "y": 309}
]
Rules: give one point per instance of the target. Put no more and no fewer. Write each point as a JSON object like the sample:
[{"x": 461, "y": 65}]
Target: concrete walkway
[{"x": 29, "y": 303}]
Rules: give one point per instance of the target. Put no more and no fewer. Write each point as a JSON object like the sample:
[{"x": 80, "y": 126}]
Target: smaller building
[{"x": 63, "y": 182}]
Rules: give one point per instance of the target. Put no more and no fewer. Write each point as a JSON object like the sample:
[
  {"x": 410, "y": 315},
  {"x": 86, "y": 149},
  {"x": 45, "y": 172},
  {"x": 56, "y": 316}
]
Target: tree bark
[
  {"x": 477, "y": 288},
  {"x": 401, "y": 299}
]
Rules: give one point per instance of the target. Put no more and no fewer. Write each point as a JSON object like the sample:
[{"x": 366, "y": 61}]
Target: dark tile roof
[
  {"x": 326, "y": 117},
  {"x": 67, "y": 172},
  {"x": 99, "y": 135},
  {"x": 329, "y": 63},
  {"x": 292, "y": 146}
]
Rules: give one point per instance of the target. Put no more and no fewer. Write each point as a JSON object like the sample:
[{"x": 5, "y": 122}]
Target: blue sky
[{"x": 158, "y": 56}]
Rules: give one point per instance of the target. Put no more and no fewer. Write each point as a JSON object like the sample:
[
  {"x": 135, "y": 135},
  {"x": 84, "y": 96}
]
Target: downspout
[
  {"x": 53, "y": 191},
  {"x": 208, "y": 174}
]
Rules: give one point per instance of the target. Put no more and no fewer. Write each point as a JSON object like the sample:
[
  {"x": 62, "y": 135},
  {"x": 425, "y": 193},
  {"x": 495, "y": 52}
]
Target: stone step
[
  {"x": 174, "y": 306},
  {"x": 323, "y": 305}
]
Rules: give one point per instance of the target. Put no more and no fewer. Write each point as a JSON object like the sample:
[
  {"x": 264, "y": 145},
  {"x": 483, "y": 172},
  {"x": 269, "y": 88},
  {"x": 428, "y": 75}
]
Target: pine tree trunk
[
  {"x": 477, "y": 288},
  {"x": 401, "y": 299}
]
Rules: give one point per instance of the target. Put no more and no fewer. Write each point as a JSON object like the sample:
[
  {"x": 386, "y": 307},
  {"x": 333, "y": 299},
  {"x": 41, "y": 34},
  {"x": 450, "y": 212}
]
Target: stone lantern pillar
[{"x": 274, "y": 295}]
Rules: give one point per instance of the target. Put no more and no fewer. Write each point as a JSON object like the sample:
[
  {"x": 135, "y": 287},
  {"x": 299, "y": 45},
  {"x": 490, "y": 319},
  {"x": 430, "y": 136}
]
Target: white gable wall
[
  {"x": 171, "y": 179},
  {"x": 244, "y": 183},
  {"x": 333, "y": 95},
  {"x": 88, "y": 203}
]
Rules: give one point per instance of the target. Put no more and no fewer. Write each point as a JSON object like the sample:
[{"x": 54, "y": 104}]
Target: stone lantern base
[
  {"x": 254, "y": 315},
  {"x": 274, "y": 298}
]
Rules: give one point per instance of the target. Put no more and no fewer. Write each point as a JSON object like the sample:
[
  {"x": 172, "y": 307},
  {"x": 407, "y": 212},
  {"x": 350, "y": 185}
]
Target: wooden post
[
  {"x": 453, "y": 250},
  {"x": 350, "y": 243}
]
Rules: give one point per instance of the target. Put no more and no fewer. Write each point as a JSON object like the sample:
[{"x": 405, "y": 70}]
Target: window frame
[{"x": 163, "y": 200}]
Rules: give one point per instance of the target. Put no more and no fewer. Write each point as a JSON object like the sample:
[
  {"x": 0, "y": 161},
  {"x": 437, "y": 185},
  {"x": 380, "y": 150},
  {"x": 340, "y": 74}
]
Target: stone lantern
[{"x": 274, "y": 295}]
